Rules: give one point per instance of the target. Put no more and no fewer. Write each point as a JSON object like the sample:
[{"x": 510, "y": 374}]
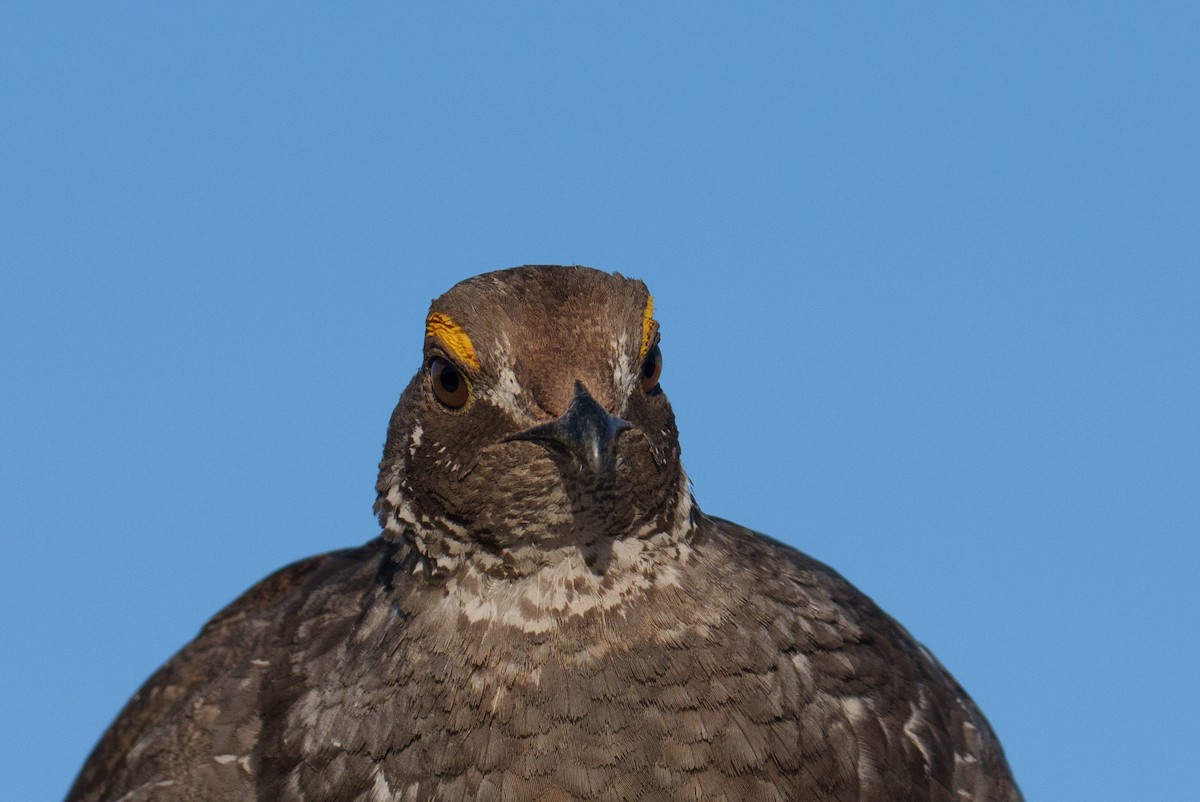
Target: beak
[{"x": 585, "y": 429}]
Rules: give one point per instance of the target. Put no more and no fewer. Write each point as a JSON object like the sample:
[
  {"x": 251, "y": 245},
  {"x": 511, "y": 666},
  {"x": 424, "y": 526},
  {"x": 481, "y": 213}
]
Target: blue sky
[{"x": 927, "y": 279}]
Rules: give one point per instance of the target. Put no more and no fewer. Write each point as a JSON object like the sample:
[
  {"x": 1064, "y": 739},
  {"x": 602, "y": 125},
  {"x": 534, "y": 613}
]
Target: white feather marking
[
  {"x": 381, "y": 791},
  {"x": 683, "y": 508},
  {"x": 567, "y": 587},
  {"x": 857, "y": 711},
  {"x": 623, "y": 375},
  {"x": 910, "y": 728}
]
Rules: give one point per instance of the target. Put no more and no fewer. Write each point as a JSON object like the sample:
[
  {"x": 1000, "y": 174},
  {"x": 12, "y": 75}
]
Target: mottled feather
[{"x": 529, "y": 629}]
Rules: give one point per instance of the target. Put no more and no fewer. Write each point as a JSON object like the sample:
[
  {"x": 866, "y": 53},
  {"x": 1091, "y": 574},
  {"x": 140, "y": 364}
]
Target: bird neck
[
  {"x": 577, "y": 548},
  {"x": 537, "y": 588}
]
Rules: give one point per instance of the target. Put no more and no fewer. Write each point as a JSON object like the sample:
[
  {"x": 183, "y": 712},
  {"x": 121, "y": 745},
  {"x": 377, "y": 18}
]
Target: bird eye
[
  {"x": 449, "y": 385},
  {"x": 651, "y": 369}
]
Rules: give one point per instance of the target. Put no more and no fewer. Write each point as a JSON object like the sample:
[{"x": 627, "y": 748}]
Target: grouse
[{"x": 548, "y": 615}]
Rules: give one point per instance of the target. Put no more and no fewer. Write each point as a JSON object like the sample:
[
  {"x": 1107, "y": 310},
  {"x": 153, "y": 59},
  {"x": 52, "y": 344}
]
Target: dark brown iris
[
  {"x": 651, "y": 369},
  {"x": 449, "y": 385}
]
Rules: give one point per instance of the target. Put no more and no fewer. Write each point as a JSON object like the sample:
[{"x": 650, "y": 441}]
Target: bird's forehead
[{"x": 547, "y": 325}]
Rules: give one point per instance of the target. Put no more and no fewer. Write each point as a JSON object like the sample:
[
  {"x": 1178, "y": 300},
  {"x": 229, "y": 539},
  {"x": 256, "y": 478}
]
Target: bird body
[{"x": 548, "y": 615}]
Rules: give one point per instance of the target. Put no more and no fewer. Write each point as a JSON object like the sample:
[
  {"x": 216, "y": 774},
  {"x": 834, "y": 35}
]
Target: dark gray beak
[{"x": 585, "y": 429}]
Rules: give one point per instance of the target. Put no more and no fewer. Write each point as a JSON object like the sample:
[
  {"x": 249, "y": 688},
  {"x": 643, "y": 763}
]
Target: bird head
[{"x": 536, "y": 421}]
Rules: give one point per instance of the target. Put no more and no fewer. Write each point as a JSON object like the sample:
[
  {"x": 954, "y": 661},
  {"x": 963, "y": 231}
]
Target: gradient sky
[{"x": 928, "y": 281}]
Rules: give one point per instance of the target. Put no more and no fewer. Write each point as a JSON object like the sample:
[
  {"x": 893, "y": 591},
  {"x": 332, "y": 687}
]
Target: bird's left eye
[{"x": 651, "y": 369}]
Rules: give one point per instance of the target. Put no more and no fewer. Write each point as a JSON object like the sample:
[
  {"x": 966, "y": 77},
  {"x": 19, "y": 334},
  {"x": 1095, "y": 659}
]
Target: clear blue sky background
[{"x": 928, "y": 280}]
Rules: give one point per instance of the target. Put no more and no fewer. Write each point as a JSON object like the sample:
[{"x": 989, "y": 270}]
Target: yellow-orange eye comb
[
  {"x": 442, "y": 328},
  {"x": 649, "y": 325}
]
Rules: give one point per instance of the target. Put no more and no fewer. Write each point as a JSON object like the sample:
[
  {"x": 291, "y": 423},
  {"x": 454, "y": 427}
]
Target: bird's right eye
[{"x": 449, "y": 385}]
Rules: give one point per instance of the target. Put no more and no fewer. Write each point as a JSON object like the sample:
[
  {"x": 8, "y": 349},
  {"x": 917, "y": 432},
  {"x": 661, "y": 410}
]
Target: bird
[{"x": 547, "y": 614}]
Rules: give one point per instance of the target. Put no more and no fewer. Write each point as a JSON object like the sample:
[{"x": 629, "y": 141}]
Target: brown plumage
[{"x": 548, "y": 615}]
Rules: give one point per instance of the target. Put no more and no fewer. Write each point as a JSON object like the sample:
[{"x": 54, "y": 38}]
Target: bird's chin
[{"x": 521, "y": 497}]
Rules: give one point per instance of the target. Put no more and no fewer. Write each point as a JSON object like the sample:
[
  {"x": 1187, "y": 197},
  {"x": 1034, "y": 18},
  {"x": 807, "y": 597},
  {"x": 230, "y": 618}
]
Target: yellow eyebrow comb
[
  {"x": 442, "y": 327},
  {"x": 649, "y": 324}
]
